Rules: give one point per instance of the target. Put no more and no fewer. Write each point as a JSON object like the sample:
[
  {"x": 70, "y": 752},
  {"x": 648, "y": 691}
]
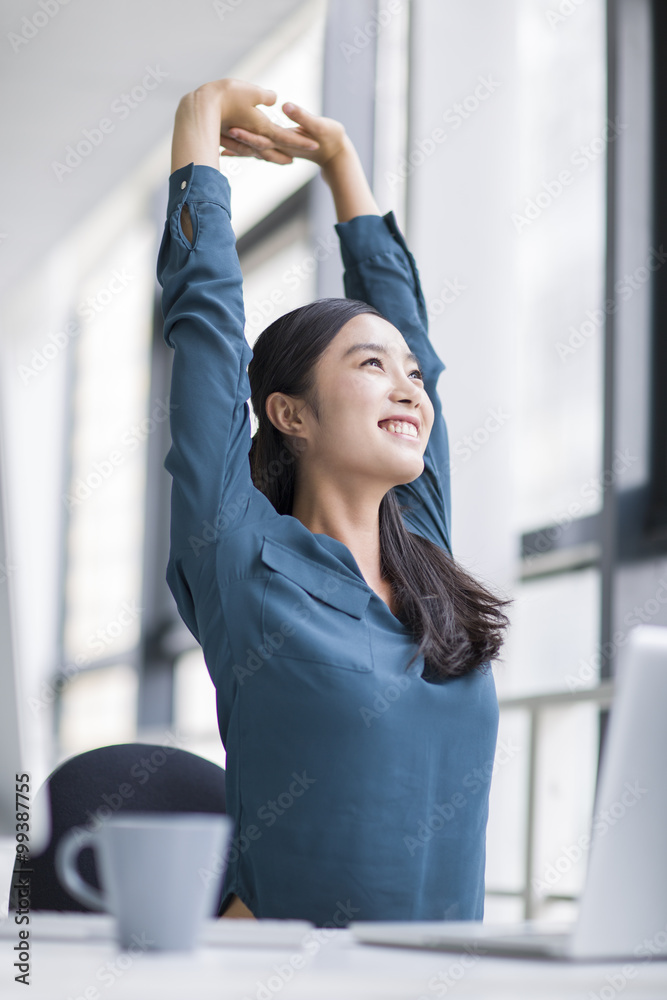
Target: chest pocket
[{"x": 313, "y": 613}]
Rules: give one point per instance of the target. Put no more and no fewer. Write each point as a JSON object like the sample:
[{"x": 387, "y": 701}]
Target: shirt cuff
[
  {"x": 366, "y": 236},
  {"x": 198, "y": 183}
]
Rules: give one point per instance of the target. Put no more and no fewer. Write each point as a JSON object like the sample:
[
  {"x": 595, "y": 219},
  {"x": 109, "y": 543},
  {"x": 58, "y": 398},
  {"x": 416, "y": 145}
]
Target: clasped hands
[
  {"x": 247, "y": 131},
  {"x": 222, "y": 118}
]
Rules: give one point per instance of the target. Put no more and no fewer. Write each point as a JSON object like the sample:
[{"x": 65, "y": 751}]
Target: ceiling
[{"x": 80, "y": 59}]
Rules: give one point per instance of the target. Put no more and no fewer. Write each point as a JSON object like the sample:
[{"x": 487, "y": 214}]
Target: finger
[
  {"x": 264, "y": 96},
  {"x": 264, "y": 126},
  {"x": 288, "y": 137},
  {"x": 275, "y": 156},
  {"x": 294, "y": 138},
  {"x": 238, "y": 148},
  {"x": 300, "y": 115},
  {"x": 300, "y": 130},
  {"x": 253, "y": 139},
  {"x": 271, "y": 155},
  {"x": 244, "y": 149},
  {"x": 247, "y": 155}
]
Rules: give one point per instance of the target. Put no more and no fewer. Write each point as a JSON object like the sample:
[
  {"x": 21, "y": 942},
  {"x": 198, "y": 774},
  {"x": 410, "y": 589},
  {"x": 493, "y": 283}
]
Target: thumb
[{"x": 267, "y": 97}]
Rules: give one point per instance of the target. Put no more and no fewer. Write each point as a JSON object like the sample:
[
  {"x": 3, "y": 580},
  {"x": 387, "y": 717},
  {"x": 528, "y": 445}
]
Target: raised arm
[
  {"x": 380, "y": 270},
  {"x": 202, "y": 305},
  {"x": 206, "y": 114}
]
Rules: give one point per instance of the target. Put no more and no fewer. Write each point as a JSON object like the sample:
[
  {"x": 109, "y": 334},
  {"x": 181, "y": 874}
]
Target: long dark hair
[{"x": 457, "y": 622}]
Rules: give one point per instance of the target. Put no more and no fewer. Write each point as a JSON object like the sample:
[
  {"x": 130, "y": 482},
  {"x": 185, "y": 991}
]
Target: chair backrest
[{"x": 128, "y": 777}]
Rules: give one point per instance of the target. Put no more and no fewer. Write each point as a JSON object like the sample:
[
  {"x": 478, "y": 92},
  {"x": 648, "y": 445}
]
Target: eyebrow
[{"x": 382, "y": 349}]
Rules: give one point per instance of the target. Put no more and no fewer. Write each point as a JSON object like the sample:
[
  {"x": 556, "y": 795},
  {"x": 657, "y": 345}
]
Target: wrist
[
  {"x": 207, "y": 105},
  {"x": 349, "y": 186},
  {"x": 341, "y": 159},
  {"x": 196, "y": 135}
]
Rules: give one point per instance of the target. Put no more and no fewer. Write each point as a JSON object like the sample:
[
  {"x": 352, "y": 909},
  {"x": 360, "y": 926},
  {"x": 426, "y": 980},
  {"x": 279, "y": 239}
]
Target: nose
[{"x": 405, "y": 390}]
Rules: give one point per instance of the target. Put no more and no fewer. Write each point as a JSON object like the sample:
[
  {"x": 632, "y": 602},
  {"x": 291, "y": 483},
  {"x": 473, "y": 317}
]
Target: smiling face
[{"x": 373, "y": 416}]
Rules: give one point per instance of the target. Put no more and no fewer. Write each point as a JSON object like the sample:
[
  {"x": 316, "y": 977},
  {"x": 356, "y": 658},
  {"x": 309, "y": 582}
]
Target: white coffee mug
[{"x": 160, "y": 874}]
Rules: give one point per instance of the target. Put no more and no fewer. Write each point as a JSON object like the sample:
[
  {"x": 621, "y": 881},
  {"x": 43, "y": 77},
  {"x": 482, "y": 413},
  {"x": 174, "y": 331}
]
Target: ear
[{"x": 287, "y": 414}]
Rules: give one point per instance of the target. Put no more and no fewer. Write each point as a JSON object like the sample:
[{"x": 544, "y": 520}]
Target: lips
[
  {"x": 404, "y": 427},
  {"x": 409, "y": 418}
]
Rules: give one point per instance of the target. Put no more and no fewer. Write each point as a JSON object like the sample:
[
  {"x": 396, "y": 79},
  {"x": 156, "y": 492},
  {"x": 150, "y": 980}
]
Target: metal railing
[{"x": 535, "y": 706}]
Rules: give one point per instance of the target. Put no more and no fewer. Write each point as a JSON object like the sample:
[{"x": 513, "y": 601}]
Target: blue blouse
[{"x": 359, "y": 790}]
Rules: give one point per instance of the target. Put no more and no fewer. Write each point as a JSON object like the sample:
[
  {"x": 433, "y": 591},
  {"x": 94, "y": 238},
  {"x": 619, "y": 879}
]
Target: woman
[{"x": 350, "y": 654}]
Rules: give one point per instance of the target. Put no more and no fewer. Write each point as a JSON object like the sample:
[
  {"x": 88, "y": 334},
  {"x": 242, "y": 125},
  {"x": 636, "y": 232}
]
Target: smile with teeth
[{"x": 400, "y": 427}]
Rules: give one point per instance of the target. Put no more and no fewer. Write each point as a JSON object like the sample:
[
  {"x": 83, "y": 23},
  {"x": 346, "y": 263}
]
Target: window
[
  {"x": 542, "y": 798},
  {"x": 655, "y": 523},
  {"x": 269, "y": 208},
  {"x": 110, "y": 426}
]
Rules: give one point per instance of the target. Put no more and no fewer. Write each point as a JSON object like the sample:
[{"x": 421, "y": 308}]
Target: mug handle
[{"x": 69, "y": 848}]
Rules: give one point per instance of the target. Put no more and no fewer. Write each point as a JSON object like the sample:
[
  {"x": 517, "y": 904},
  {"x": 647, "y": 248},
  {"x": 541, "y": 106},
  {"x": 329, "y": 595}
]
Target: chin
[{"x": 408, "y": 475}]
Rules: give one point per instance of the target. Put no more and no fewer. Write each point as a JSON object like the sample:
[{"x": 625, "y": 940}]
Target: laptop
[{"x": 623, "y": 908}]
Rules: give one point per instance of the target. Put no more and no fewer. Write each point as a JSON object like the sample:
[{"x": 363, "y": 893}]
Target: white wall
[{"x": 459, "y": 203}]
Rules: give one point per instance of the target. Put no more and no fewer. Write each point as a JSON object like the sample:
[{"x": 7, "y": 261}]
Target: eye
[{"x": 417, "y": 373}]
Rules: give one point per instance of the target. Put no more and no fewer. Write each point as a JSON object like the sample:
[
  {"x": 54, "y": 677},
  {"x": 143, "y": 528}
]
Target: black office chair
[{"x": 127, "y": 777}]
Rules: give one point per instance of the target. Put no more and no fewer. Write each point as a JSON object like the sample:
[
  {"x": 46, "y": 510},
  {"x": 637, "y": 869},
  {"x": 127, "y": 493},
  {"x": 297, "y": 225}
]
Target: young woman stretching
[{"x": 350, "y": 653}]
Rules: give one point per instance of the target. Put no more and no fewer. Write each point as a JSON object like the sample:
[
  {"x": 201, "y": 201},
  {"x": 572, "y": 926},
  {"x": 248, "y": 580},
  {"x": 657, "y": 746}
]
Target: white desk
[{"x": 65, "y": 968}]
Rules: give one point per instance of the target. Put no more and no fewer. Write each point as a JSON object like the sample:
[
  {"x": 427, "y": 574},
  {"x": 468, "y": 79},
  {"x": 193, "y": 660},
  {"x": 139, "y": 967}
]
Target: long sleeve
[
  {"x": 380, "y": 270},
  {"x": 202, "y": 305}
]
